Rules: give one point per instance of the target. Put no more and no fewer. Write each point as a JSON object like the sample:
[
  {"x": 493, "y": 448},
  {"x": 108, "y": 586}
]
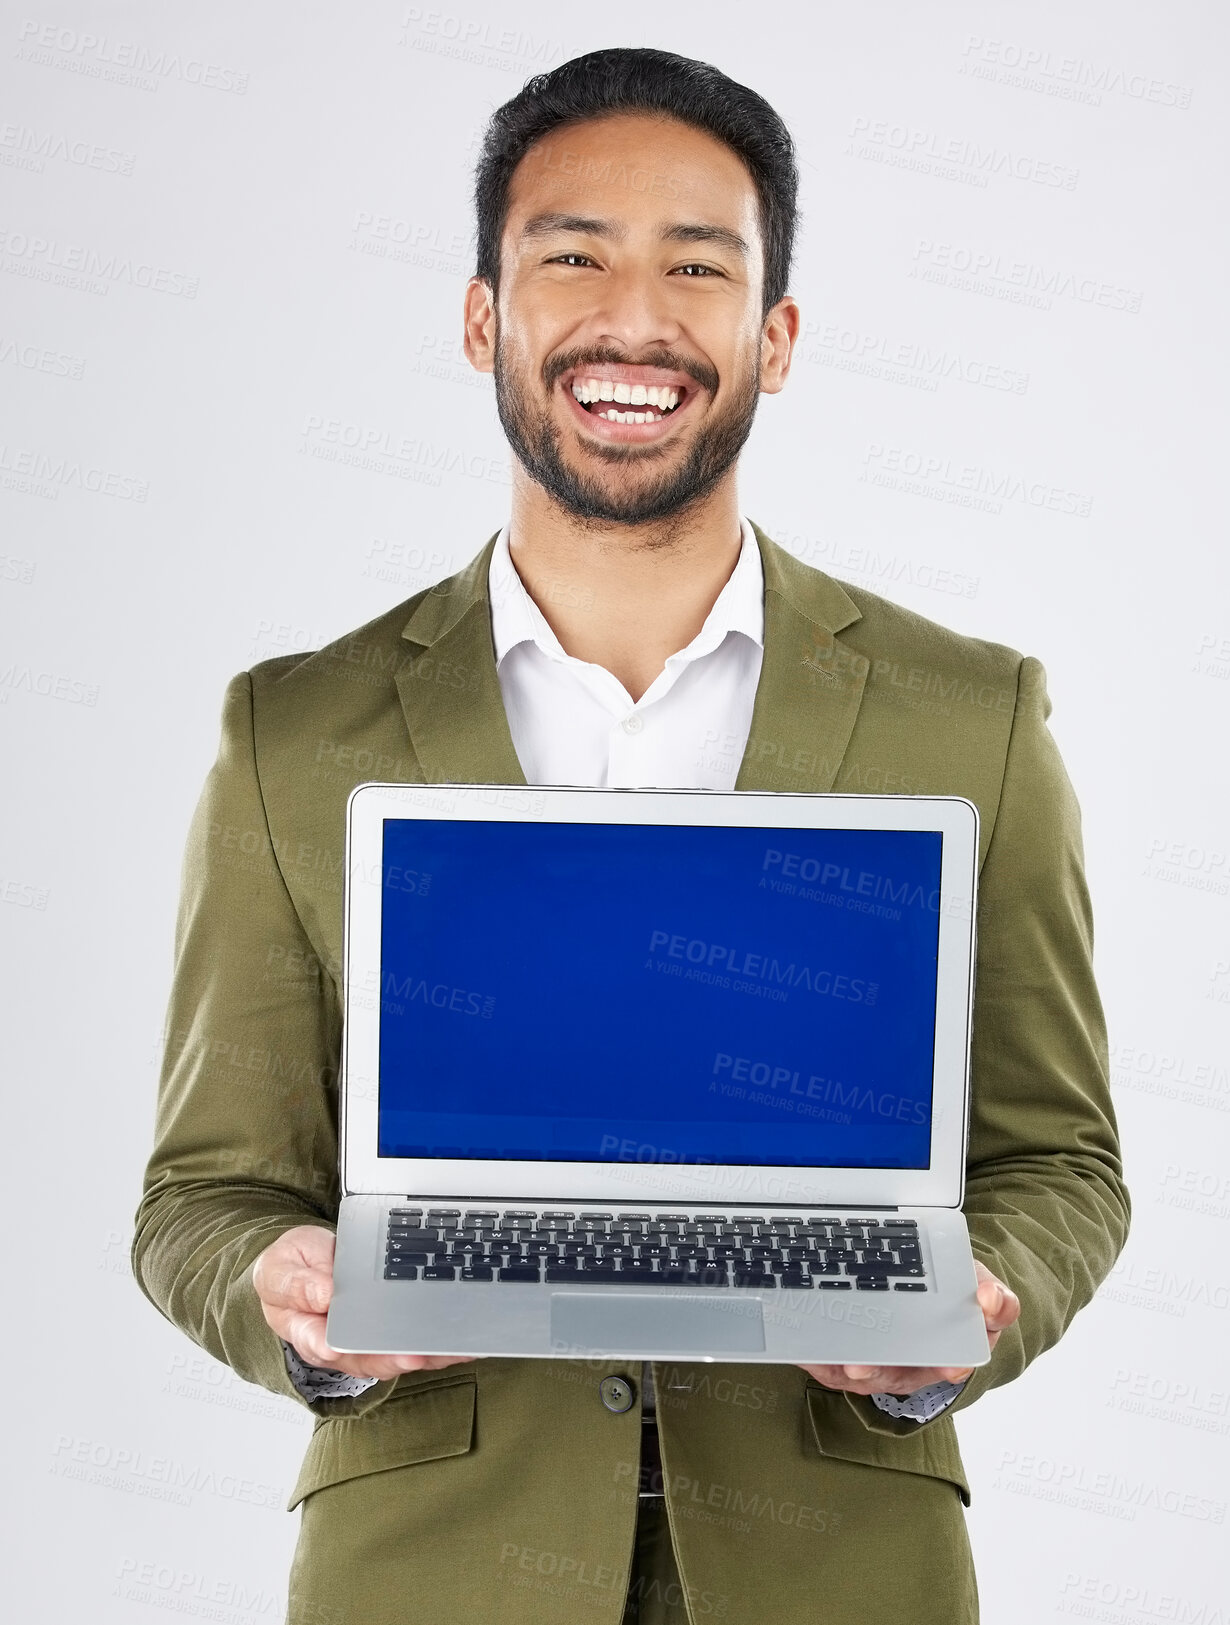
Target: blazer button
[{"x": 616, "y": 1394}]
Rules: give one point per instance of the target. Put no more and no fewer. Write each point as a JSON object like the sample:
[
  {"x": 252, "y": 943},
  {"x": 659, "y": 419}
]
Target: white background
[{"x": 275, "y": 201}]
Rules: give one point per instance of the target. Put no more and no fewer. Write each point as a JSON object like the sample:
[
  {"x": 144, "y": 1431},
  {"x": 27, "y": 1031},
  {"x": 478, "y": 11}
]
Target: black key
[
  {"x": 396, "y": 1255},
  {"x": 673, "y": 1218},
  {"x": 635, "y": 1218},
  {"x": 678, "y": 1275},
  {"x": 711, "y": 1218},
  {"x": 400, "y": 1272},
  {"x": 833, "y": 1286},
  {"x": 476, "y": 1272},
  {"x": 711, "y": 1275},
  {"x": 552, "y": 1214},
  {"x": 652, "y": 1250},
  {"x": 761, "y": 1251},
  {"x": 615, "y": 1249},
  {"x": 901, "y": 1224},
  {"x": 598, "y": 1218},
  {"x": 414, "y": 1238},
  {"x": 580, "y": 1249},
  {"x": 566, "y": 1272},
  {"x": 687, "y": 1250},
  {"x": 641, "y": 1274},
  {"x": 512, "y": 1214},
  {"x": 747, "y": 1218},
  {"x": 482, "y": 1213},
  {"x": 520, "y": 1272},
  {"x": 871, "y": 1283},
  {"x": 443, "y": 1213},
  {"x": 439, "y": 1272},
  {"x": 726, "y": 1250},
  {"x": 405, "y": 1212},
  {"x": 796, "y": 1278},
  {"x": 752, "y": 1278},
  {"x": 542, "y": 1249},
  {"x": 909, "y": 1286}
]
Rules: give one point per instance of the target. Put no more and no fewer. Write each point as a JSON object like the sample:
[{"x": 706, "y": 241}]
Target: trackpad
[{"x": 640, "y": 1323}]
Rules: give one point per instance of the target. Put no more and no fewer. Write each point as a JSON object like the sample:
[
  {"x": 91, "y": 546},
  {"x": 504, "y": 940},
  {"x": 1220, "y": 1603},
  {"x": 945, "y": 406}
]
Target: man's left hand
[{"x": 1000, "y": 1307}]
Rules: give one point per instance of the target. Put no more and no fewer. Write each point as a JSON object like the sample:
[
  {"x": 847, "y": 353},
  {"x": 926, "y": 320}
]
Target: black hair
[{"x": 642, "y": 80}]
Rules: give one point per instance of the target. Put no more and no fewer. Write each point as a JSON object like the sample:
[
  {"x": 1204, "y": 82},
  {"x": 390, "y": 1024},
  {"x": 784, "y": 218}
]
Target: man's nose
[{"x": 636, "y": 312}]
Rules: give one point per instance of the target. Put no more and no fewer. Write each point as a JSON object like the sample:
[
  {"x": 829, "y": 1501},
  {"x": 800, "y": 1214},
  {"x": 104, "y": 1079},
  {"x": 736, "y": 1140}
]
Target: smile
[{"x": 618, "y": 409}]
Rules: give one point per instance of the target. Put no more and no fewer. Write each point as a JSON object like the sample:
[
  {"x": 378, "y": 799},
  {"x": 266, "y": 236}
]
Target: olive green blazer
[{"x": 437, "y": 1485}]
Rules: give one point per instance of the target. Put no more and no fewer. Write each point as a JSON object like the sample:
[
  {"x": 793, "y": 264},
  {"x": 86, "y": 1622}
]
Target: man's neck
[{"x": 624, "y": 597}]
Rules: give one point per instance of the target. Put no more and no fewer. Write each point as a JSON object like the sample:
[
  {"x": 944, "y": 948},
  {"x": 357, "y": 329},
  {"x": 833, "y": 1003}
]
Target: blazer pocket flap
[
  {"x": 421, "y": 1425},
  {"x": 933, "y": 1450}
]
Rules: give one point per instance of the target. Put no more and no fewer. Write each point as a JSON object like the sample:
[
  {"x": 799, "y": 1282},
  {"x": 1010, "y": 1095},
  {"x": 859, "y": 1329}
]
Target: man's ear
[
  {"x": 781, "y": 332},
  {"x": 479, "y": 325}
]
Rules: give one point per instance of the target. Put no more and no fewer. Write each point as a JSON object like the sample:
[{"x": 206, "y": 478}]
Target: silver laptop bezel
[{"x": 364, "y": 1172}]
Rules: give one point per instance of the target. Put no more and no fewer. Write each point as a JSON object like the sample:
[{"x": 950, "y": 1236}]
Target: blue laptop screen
[{"x": 651, "y": 993}]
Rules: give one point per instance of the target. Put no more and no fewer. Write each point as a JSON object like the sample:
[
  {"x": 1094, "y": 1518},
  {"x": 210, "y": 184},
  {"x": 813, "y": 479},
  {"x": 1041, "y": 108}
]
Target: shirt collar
[{"x": 516, "y": 618}]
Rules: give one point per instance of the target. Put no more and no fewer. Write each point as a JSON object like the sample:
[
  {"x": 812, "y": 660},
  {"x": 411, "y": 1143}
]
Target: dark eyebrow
[{"x": 545, "y": 225}]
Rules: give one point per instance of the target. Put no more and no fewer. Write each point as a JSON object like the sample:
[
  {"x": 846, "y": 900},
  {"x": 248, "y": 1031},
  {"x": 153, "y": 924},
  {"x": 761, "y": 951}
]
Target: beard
[{"x": 641, "y": 499}]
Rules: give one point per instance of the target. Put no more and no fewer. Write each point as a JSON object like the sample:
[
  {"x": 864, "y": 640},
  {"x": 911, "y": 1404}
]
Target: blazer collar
[{"x": 811, "y": 683}]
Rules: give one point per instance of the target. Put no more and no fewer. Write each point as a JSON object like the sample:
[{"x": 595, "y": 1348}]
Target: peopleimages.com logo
[{"x": 763, "y": 969}]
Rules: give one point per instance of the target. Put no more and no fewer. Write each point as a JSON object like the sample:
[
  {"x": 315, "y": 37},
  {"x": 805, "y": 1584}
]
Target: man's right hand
[{"x": 293, "y": 1278}]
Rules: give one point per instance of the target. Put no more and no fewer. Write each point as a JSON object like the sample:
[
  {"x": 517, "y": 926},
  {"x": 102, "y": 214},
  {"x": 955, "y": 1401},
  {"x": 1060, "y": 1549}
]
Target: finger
[
  {"x": 890, "y": 1379},
  {"x": 314, "y": 1244},
  {"x": 284, "y": 1283},
  {"x": 869, "y": 1379},
  {"x": 306, "y": 1333},
  {"x": 999, "y": 1303},
  {"x": 828, "y": 1376}
]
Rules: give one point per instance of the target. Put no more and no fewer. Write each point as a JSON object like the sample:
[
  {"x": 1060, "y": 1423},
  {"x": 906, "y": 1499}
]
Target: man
[{"x": 636, "y": 214}]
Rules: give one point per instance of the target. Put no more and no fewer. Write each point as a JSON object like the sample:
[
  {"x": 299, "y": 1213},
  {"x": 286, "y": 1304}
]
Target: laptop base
[{"x": 833, "y": 1322}]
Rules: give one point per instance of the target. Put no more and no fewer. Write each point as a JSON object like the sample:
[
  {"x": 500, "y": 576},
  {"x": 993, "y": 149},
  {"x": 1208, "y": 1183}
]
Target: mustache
[{"x": 706, "y": 376}]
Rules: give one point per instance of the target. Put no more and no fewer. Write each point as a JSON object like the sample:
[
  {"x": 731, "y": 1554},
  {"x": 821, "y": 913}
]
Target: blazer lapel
[
  {"x": 811, "y": 682},
  {"x": 449, "y": 689}
]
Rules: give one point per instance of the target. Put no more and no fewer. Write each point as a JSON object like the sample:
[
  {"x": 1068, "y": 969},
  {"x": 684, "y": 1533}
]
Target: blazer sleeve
[
  {"x": 245, "y": 1133},
  {"x": 1045, "y": 1200}
]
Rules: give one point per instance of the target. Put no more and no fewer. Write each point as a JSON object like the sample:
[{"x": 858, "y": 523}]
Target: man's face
[{"x": 631, "y": 288}]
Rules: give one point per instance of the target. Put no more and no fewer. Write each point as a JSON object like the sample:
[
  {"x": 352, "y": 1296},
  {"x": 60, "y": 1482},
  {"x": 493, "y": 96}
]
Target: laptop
[{"x": 656, "y": 1073}]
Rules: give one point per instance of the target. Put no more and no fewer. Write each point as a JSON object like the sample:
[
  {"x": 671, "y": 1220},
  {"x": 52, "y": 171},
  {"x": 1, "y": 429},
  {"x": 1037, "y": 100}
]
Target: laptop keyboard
[{"x": 801, "y": 1251}]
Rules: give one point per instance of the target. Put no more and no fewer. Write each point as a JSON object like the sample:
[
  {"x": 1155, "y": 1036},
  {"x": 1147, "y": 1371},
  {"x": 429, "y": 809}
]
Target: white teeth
[
  {"x": 661, "y": 397},
  {"x": 630, "y": 417}
]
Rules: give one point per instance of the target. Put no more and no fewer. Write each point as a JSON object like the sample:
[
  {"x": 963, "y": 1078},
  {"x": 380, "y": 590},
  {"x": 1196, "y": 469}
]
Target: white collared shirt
[{"x": 573, "y": 722}]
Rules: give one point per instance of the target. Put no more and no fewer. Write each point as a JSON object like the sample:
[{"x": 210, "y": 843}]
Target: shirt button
[
  {"x": 632, "y": 724},
  {"x": 616, "y": 1394}
]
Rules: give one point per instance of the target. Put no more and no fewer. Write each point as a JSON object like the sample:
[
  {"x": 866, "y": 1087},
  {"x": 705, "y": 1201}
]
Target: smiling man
[{"x": 627, "y": 625}]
